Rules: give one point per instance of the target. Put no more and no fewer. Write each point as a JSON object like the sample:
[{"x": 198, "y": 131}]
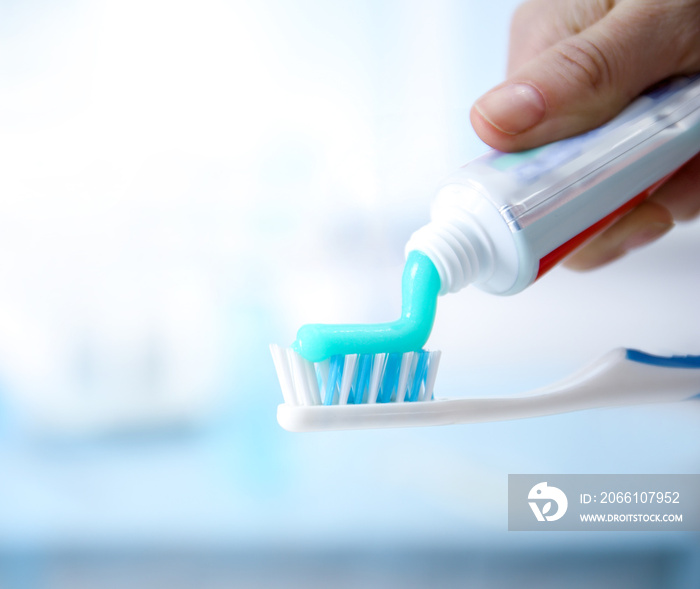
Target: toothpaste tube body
[{"x": 504, "y": 219}]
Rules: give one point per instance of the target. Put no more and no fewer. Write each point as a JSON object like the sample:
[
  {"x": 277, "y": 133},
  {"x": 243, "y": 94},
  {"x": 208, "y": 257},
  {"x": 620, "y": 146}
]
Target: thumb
[{"x": 578, "y": 83}]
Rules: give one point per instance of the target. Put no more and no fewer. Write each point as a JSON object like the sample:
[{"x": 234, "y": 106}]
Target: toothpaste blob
[{"x": 420, "y": 286}]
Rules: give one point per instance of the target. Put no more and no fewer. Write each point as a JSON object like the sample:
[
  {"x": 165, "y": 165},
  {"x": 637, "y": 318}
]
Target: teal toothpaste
[{"x": 420, "y": 285}]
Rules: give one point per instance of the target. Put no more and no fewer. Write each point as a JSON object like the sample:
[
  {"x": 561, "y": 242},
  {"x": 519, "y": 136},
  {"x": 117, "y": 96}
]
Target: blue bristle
[
  {"x": 362, "y": 382},
  {"x": 419, "y": 376},
  {"x": 335, "y": 374},
  {"x": 390, "y": 380}
]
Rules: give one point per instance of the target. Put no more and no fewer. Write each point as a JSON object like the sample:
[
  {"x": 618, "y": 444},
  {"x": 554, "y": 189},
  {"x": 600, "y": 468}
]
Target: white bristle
[
  {"x": 433, "y": 363},
  {"x": 299, "y": 378},
  {"x": 279, "y": 357},
  {"x": 348, "y": 377},
  {"x": 404, "y": 373},
  {"x": 379, "y": 362},
  {"x": 322, "y": 369},
  {"x": 312, "y": 383}
]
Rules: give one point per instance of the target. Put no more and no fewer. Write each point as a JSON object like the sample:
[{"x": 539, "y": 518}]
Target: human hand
[{"x": 575, "y": 64}]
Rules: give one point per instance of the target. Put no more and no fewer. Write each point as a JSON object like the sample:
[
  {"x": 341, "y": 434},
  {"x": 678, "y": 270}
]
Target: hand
[{"x": 575, "y": 64}]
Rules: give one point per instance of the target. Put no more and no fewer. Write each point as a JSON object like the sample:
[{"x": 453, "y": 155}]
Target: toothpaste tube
[{"x": 504, "y": 219}]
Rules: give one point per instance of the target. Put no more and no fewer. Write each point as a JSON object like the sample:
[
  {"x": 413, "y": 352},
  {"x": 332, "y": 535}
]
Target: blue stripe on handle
[{"x": 666, "y": 361}]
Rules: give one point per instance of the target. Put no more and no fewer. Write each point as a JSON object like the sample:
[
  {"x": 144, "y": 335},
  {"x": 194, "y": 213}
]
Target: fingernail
[
  {"x": 646, "y": 235},
  {"x": 512, "y": 109}
]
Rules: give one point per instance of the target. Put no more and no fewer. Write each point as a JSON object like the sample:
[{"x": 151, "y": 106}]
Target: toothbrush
[
  {"x": 500, "y": 223},
  {"x": 351, "y": 393}
]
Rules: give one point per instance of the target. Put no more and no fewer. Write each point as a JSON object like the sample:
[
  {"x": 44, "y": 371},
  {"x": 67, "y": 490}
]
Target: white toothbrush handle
[{"x": 621, "y": 377}]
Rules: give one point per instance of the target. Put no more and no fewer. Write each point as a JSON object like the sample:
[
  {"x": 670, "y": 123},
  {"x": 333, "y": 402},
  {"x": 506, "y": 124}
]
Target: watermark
[
  {"x": 604, "y": 502},
  {"x": 550, "y": 494}
]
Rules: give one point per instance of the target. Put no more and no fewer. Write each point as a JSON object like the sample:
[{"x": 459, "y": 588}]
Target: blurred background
[{"x": 184, "y": 183}]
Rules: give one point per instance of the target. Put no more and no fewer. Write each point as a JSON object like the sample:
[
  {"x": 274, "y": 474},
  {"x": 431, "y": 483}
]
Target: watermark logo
[
  {"x": 603, "y": 502},
  {"x": 541, "y": 492}
]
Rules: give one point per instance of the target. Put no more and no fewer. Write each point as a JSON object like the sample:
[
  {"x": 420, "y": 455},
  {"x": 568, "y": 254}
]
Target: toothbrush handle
[
  {"x": 631, "y": 377},
  {"x": 621, "y": 377}
]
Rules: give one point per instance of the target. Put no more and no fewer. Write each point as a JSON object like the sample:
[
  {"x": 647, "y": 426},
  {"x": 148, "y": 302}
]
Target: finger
[
  {"x": 681, "y": 193},
  {"x": 581, "y": 81},
  {"x": 538, "y": 24},
  {"x": 644, "y": 224}
]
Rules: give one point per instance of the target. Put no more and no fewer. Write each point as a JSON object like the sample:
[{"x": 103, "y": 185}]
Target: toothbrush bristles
[{"x": 356, "y": 379}]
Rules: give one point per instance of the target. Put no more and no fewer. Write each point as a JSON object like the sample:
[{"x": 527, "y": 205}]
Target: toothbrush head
[{"x": 353, "y": 380}]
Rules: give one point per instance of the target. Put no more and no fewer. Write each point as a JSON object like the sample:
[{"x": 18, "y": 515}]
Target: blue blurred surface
[{"x": 184, "y": 184}]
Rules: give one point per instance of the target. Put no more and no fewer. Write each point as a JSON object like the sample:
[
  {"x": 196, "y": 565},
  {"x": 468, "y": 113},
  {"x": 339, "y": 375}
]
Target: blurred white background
[{"x": 183, "y": 183}]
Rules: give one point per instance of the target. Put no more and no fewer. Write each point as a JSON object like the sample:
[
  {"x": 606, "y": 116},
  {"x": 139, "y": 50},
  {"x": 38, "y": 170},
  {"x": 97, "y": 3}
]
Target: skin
[{"x": 575, "y": 64}]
